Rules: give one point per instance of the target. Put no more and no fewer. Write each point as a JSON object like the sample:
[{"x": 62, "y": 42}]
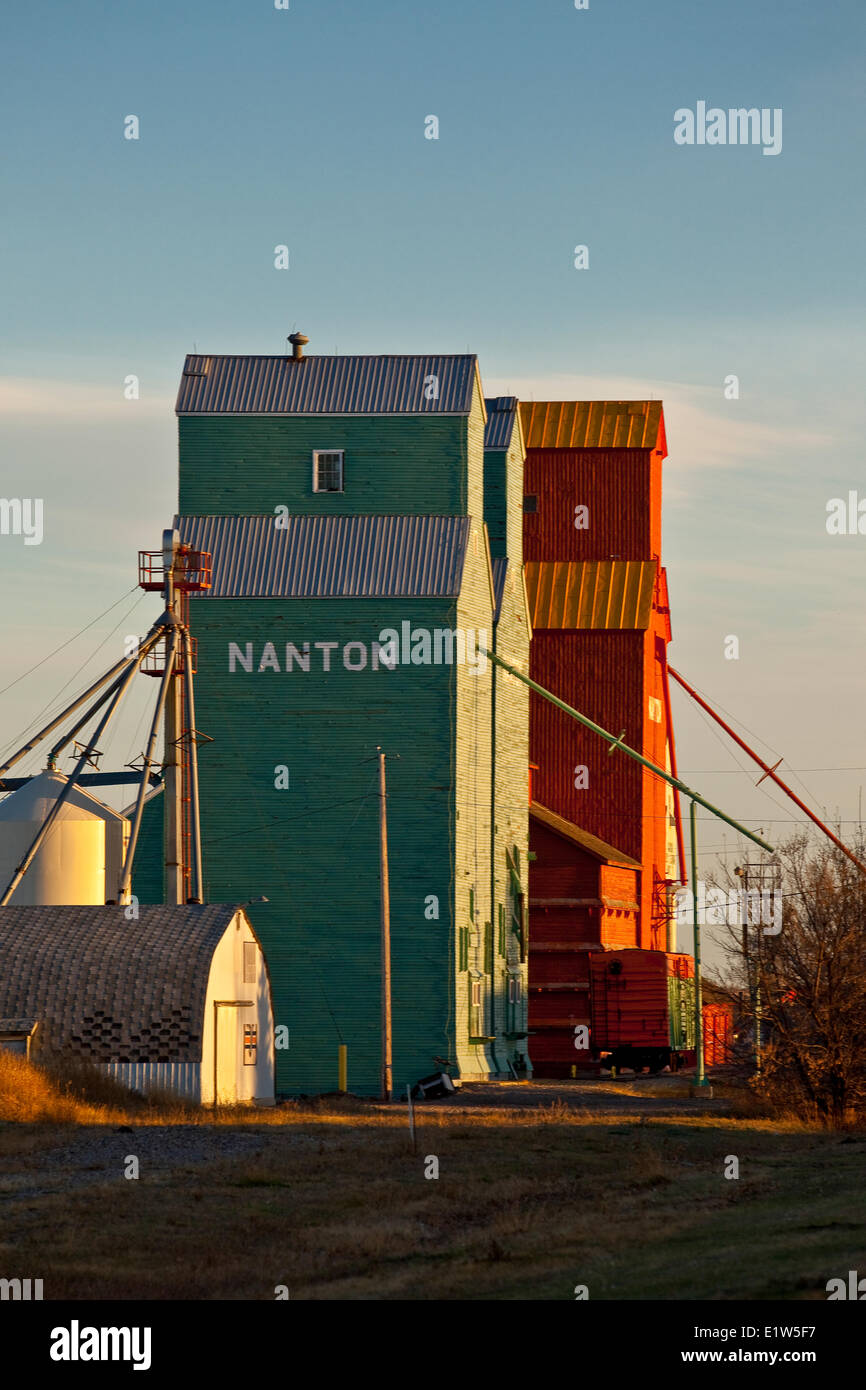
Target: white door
[{"x": 227, "y": 1045}]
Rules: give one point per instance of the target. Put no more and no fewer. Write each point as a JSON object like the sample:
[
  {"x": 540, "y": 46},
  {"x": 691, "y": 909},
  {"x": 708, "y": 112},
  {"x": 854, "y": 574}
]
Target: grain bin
[{"x": 81, "y": 855}]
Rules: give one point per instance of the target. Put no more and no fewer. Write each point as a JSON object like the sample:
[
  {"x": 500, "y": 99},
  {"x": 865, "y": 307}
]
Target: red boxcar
[{"x": 642, "y": 1007}]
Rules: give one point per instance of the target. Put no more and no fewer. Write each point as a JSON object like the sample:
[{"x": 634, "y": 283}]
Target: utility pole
[
  {"x": 763, "y": 879},
  {"x": 385, "y": 923}
]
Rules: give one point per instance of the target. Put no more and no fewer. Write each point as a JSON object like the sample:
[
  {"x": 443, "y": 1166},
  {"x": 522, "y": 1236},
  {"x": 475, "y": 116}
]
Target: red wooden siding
[
  {"x": 599, "y": 673},
  {"x": 621, "y": 488}
]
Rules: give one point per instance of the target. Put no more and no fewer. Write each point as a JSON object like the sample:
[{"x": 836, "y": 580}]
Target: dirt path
[
  {"x": 70, "y": 1160},
  {"x": 633, "y": 1095}
]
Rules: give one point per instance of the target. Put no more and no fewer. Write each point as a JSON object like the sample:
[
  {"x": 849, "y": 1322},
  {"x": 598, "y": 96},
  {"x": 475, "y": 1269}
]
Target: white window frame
[
  {"x": 319, "y": 453},
  {"x": 476, "y": 1007}
]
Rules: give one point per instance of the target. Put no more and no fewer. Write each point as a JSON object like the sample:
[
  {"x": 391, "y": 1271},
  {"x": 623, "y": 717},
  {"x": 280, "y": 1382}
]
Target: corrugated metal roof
[
  {"x": 500, "y": 570},
  {"x": 326, "y": 386},
  {"x": 501, "y": 414},
  {"x": 612, "y": 594},
  {"x": 331, "y": 556},
  {"x": 591, "y": 843},
  {"x": 593, "y": 424},
  {"x": 107, "y": 989}
]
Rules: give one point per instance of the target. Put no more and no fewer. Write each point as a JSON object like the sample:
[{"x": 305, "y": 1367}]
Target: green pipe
[{"x": 631, "y": 752}]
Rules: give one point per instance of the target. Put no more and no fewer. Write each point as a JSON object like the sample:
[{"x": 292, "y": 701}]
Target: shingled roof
[{"x": 107, "y": 989}]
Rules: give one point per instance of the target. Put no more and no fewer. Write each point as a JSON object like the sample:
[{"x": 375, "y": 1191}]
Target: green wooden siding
[
  {"x": 148, "y": 879},
  {"x": 503, "y": 497},
  {"x": 406, "y": 465}
]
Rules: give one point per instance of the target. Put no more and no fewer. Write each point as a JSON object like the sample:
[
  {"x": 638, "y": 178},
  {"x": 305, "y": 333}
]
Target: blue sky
[{"x": 306, "y": 127}]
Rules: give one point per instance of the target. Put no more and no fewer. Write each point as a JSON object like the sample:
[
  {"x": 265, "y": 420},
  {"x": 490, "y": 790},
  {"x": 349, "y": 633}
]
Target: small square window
[
  {"x": 530, "y": 503},
  {"x": 327, "y": 470}
]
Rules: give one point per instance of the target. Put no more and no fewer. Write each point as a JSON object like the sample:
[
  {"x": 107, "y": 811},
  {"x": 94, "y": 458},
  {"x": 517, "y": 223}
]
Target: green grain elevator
[{"x": 343, "y": 502}]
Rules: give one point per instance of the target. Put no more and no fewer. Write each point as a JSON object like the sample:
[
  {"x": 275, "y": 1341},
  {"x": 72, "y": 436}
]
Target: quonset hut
[
  {"x": 173, "y": 998},
  {"x": 343, "y": 502}
]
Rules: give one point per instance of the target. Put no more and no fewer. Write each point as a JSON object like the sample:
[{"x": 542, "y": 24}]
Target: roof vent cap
[{"x": 298, "y": 342}]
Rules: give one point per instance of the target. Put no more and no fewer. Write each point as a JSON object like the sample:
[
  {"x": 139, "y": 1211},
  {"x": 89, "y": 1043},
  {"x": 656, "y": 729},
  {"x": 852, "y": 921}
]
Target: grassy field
[{"x": 329, "y": 1200}]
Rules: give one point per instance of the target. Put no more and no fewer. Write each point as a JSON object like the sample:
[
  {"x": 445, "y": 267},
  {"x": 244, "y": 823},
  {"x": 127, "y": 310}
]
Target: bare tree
[{"x": 803, "y": 989}]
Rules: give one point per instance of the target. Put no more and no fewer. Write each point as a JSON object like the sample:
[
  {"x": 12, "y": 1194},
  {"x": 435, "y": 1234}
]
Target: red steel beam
[{"x": 768, "y": 771}]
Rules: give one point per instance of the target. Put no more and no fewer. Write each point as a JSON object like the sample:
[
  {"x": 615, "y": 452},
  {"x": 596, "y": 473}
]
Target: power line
[
  {"x": 730, "y": 771},
  {"x": 74, "y": 638},
  {"x": 55, "y": 698},
  {"x": 287, "y": 820}
]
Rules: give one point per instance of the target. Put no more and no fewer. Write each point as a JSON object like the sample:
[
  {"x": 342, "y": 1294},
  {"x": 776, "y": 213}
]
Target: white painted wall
[{"x": 238, "y": 1083}]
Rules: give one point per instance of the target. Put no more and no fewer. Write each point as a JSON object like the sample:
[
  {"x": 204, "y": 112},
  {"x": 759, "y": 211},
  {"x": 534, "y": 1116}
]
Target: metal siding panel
[
  {"x": 325, "y": 385},
  {"x": 181, "y": 1078}
]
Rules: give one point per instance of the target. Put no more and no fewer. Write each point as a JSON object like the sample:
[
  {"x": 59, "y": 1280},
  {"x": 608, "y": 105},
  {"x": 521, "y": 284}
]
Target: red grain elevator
[{"x": 600, "y": 616}]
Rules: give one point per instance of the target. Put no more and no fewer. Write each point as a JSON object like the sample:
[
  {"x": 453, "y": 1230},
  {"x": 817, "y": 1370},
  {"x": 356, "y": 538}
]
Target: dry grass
[
  {"x": 332, "y": 1202},
  {"x": 33, "y": 1095},
  {"x": 634, "y": 1210}
]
